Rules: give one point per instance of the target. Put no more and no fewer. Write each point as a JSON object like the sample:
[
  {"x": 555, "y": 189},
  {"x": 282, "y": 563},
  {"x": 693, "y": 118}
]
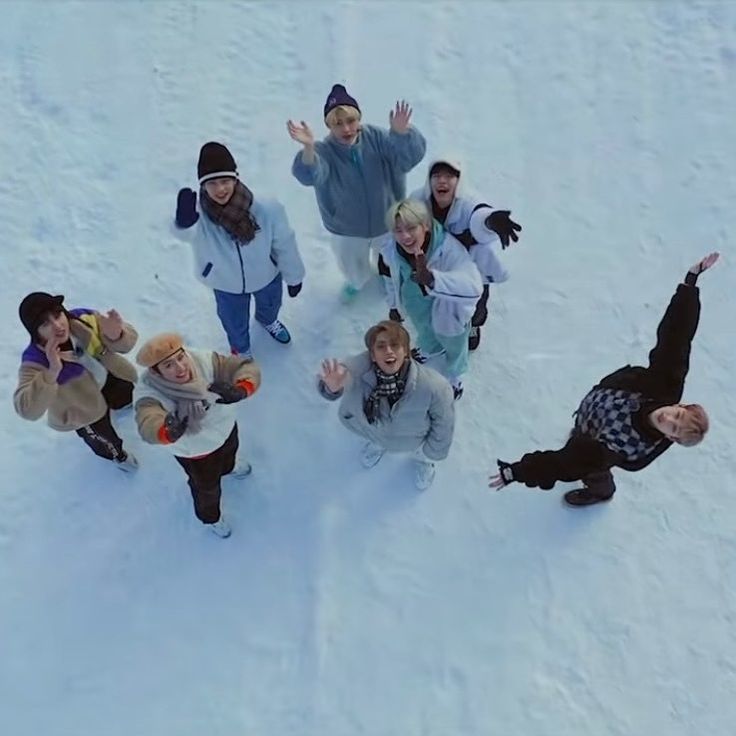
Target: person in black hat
[
  {"x": 357, "y": 172},
  {"x": 243, "y": 247},
  {"x": 72, "y": 372}
]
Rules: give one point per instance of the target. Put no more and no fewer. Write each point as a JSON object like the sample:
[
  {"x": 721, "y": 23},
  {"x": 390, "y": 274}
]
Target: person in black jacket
[{"x": 631, "y": 417}]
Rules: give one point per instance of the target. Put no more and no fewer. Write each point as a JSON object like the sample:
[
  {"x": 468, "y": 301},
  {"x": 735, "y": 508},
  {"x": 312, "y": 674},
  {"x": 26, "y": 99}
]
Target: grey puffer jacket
[{"x": 424, "y": 416}]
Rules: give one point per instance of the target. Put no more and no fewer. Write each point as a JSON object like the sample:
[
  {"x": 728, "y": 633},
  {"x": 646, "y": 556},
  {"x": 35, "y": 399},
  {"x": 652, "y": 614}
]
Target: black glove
[
  {"x": 500, "y": 222},
  {"x": 186, "y": 208},
  {"x": 293, "y": 289},
  {"x": 228, "y": 393},
  {"x": 506, "y": 471},
  {"x": 174, "y": 426},
  {"x": 395, "y": 316}
]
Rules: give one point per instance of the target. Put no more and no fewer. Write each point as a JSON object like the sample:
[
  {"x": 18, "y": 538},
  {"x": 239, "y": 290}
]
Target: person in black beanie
[
  {"x": 72, "y": 372},
  {"x": 630, "y": 417},
  {"x": 357, "y": 172},
  {"x": 243, "y": 246}
]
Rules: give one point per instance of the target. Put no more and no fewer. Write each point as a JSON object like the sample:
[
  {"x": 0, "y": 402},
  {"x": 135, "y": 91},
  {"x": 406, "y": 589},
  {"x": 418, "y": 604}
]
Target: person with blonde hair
[
  {"x": 393, "y": 403},
  {"x": 183, "y": 403},
  {"x": 357, "y": 172},
  {"x": 430, "y": 276},
  {"x": 631, "y": 417}
]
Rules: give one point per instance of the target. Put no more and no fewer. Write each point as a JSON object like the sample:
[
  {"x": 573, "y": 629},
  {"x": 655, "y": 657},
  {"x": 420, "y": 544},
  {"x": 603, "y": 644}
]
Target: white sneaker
[
  {"x": 242, "y": 469},
  {"x": 370, "y": 454},
  {"x": 423, "y": 474},
  {"x": 129, "y": 465},
  {"x": 220, "y": 528}
]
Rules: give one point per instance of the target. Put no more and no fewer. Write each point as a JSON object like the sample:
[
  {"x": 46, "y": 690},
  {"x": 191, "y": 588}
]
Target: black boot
[
  {"x": 474, "y": 338},
  {"x": 583, "y": 497}
]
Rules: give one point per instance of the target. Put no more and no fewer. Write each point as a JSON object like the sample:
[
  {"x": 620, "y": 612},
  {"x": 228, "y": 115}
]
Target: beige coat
[
  {"x": 152, "y": 405},
  {"x": 78, "y": 402}
]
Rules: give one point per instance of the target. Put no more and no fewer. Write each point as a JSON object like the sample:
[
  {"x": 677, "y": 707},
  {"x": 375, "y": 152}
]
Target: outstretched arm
[
  {"x": 579, "y": 457},
  {"x": 670, "y": 357}
]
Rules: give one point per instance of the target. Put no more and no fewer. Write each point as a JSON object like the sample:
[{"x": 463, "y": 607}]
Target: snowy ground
[{"x": 345, "y": 602}]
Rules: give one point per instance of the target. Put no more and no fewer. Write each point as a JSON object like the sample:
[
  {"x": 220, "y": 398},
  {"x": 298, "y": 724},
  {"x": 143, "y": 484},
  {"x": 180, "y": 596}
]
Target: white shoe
[
  {"x": 242, "y": 469},
  {"x": 220, "y": 528},
  {"x": 247, "y": 356},
  {"x": 129, "y": 465},
  {"x": 423, "y": 474},
  {"x": 370, "y": 454}
]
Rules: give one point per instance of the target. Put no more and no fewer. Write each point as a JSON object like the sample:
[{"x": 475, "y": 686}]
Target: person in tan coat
[
  {"x": 184, "y": 402},
  {"x": 72, "y": 372}
]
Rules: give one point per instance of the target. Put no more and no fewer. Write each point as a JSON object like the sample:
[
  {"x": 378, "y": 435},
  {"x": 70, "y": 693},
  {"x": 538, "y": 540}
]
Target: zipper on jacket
[{"x": 242, "y": 268}]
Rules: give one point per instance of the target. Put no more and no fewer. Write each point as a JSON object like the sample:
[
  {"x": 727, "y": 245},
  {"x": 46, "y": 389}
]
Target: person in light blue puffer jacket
[
  {"x": 243, "y": 246},
  {"x": 357, "y": 172}
]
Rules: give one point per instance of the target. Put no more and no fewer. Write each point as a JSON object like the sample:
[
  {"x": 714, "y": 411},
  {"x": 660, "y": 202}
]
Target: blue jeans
[{"x": 234, "y": 312}]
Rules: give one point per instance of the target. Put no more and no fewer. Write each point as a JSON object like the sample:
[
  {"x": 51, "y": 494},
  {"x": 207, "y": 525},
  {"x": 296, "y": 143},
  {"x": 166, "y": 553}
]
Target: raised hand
[
  {"x": 504, "y": 476},
  {"x": 186, "y": 208},
  {"x": 501, "y": 224},
  {"x": 496, "y": 482},
  {"x": 705, "y": 263},
  {"x": 174, "y": 426},
  {"x": 400, "y": 117},
  {"x": 53, "y": 355},
  {"x": 334, "y": 375},
  {"x": 228, "y": 393},
  {"x": 300, "y": 133},
  {"x": 111, "y": 325}
]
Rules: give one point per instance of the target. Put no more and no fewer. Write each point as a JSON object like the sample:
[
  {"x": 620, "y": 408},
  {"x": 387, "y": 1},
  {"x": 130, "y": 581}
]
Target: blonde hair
[
  {"x": 333, "y": 114},
  {"x": 408, "y": 212},
  {"x": 693, "y": 425}
]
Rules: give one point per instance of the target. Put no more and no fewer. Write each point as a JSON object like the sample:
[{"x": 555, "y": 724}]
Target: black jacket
[{"x": 660, "y": 384}]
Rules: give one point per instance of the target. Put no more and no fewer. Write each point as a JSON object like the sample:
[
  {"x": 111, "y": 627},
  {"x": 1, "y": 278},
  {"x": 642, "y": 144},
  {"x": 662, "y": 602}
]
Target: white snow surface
[{"x": 347, "y": 603}]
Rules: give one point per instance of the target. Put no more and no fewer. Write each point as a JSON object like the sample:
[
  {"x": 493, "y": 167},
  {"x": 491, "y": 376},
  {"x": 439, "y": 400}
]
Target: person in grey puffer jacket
[
  {"x": 394, "y": 403},
  {"x": 357, "y": 172}
]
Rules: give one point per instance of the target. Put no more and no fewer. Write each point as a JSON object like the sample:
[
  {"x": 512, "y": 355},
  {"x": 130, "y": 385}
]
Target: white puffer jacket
[{"x": 469, "y": 212}]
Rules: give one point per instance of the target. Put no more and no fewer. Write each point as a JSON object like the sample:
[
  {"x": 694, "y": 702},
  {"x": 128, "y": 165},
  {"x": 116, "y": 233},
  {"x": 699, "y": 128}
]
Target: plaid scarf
[
  {"x": 235, "y": 215},
  {"x": 389, "y": 387}
]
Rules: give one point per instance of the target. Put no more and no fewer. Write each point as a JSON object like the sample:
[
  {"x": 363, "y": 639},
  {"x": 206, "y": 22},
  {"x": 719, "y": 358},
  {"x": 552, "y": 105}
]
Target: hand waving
[
  {"x": 300, "y": 133},
  {"x": 705, "y": 263},
  {"x": 111, "y": 325},
  {"x": 334, "y": 375},
  {"x": 400, "y": 117}
]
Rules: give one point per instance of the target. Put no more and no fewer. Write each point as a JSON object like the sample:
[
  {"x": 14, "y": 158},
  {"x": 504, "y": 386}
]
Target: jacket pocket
[{"x": 206, "y": 270}]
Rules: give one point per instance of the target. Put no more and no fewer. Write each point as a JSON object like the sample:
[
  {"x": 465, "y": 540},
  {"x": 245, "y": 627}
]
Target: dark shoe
[
  {"x": 457, "y": 390},
  {"x": 474, "y": 338},
  {"x": 583, "y": 497}
]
